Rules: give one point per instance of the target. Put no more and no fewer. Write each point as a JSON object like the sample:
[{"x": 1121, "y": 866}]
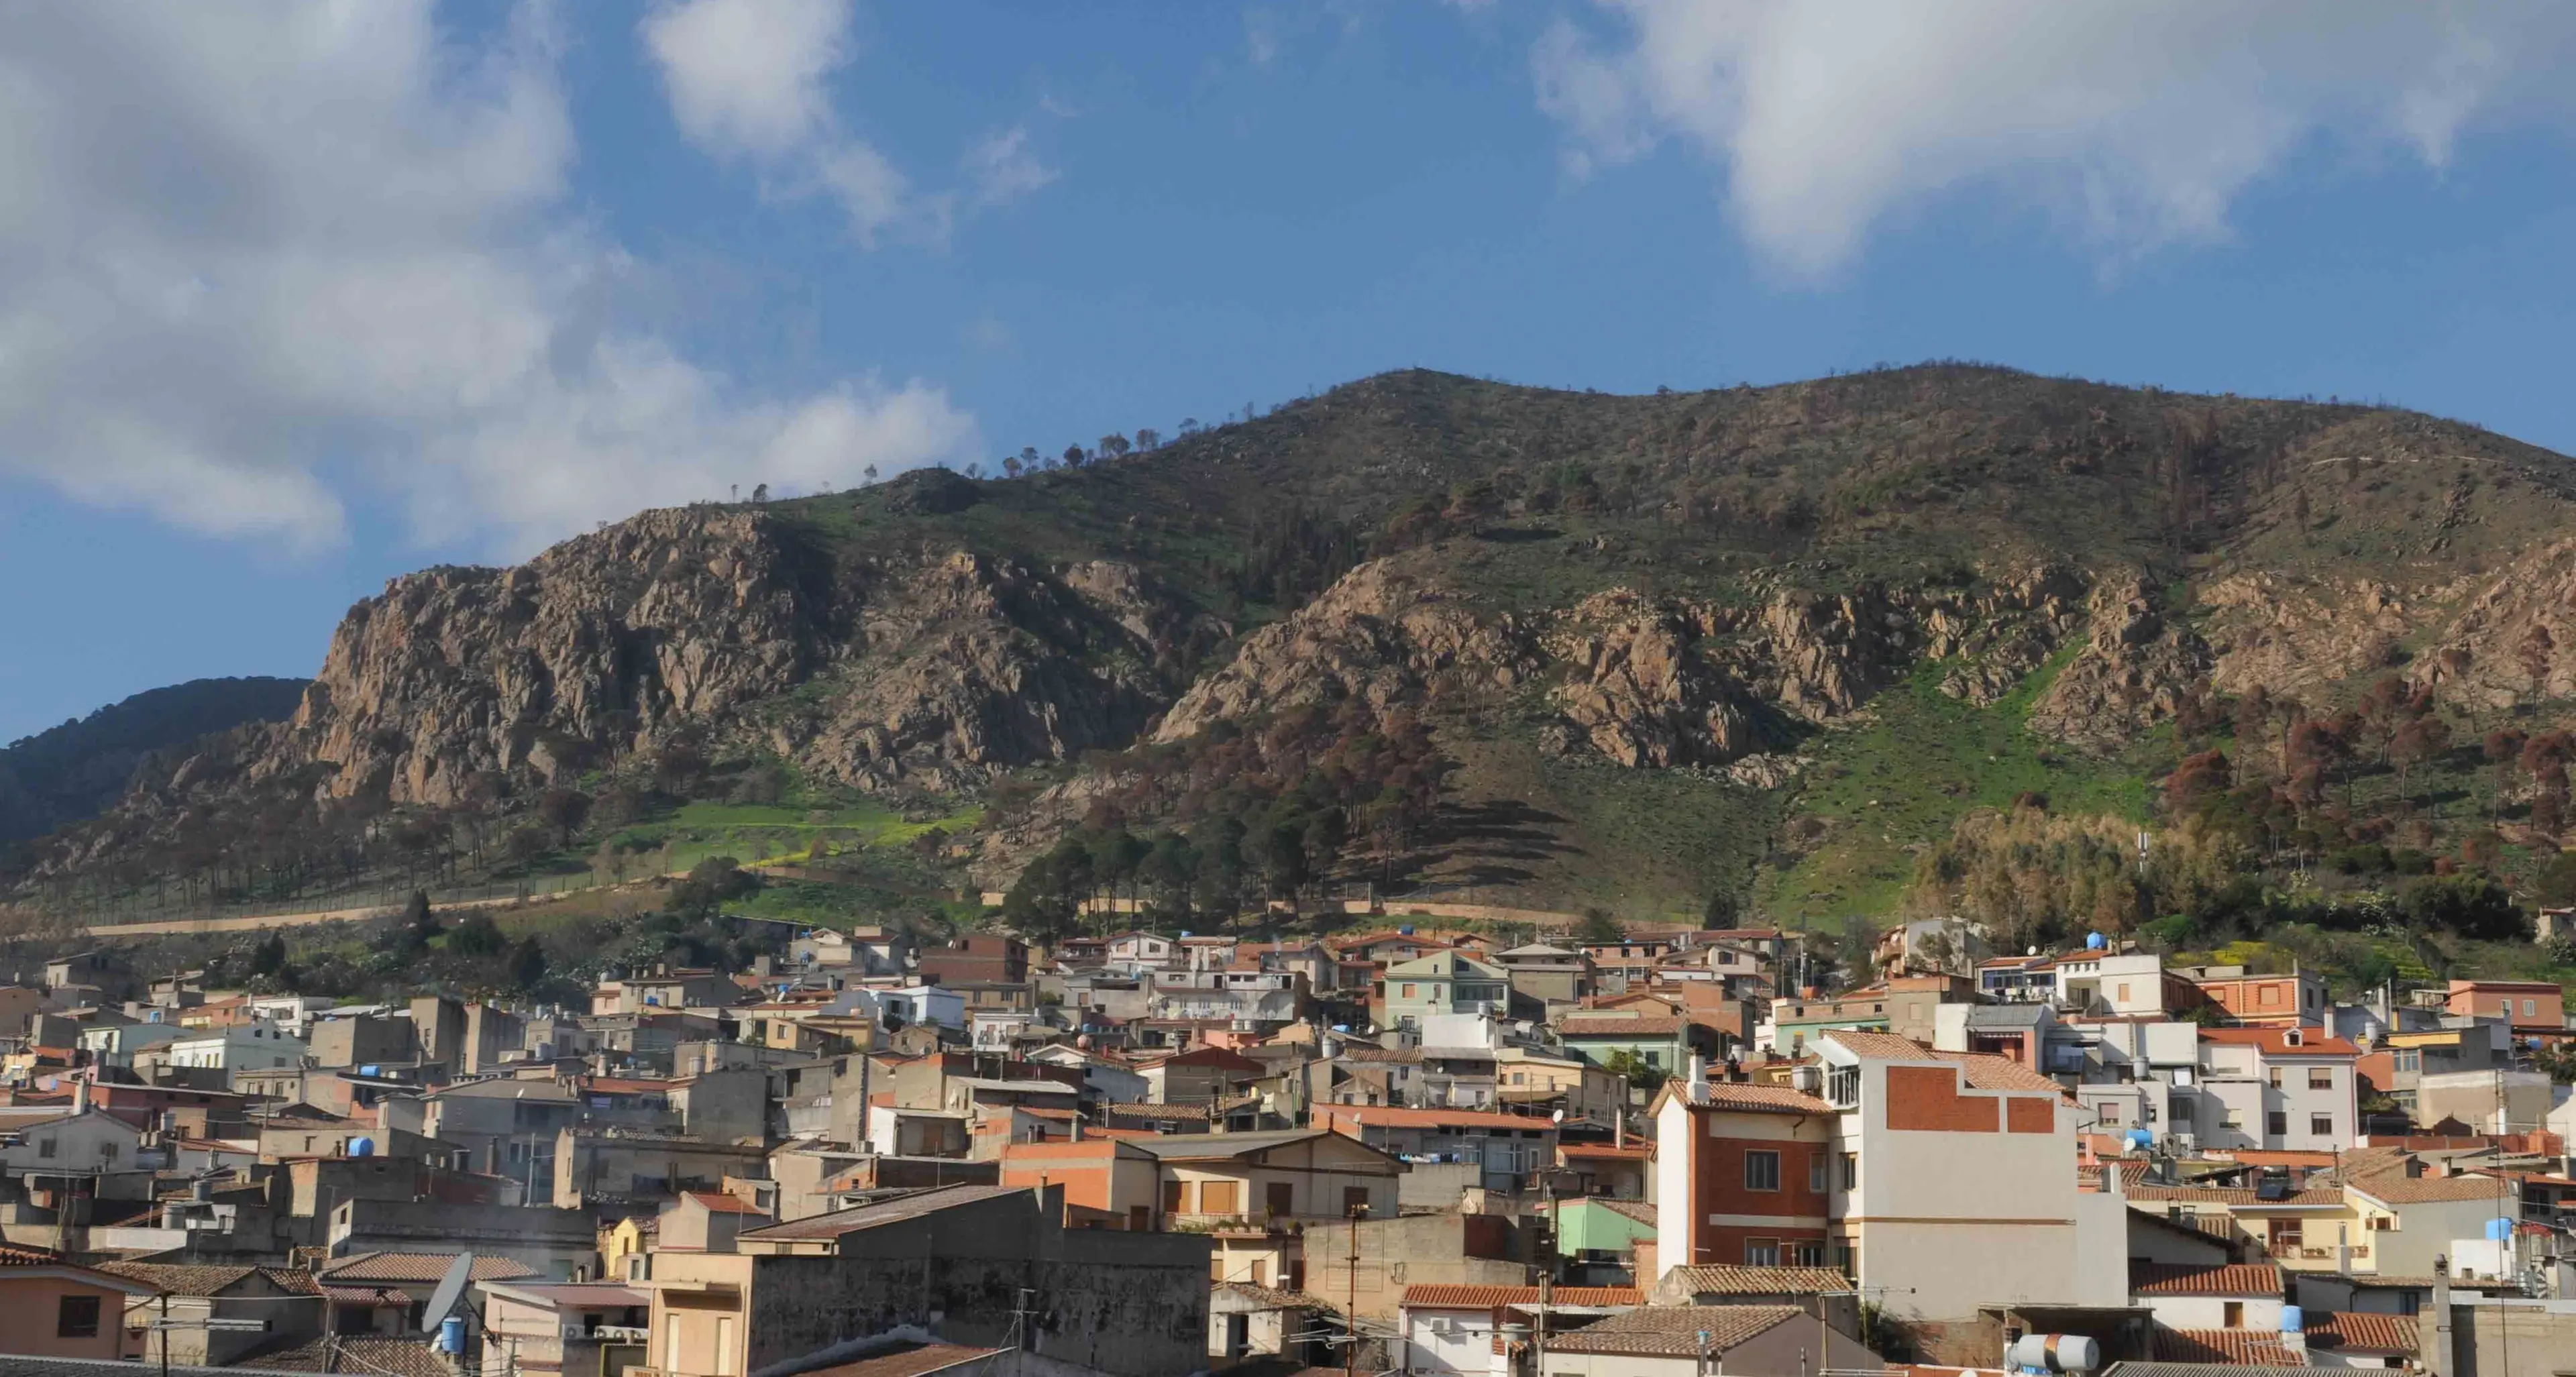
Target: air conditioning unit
[
  {"x": 1809, "y": 1079},
  {"x": 2184, "y": 1142}
]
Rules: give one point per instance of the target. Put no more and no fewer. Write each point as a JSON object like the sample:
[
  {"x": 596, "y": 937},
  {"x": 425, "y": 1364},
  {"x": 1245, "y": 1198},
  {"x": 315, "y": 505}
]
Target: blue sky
[{"x": 440, "y": 290}]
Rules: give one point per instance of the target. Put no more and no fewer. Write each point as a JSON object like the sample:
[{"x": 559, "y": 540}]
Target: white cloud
[
  {"x": 1002, "y": 167},
  {"x": 252, "y": 254},
  {"x": 747, "y": 80},
  {"x": 2138, "y": 123}
]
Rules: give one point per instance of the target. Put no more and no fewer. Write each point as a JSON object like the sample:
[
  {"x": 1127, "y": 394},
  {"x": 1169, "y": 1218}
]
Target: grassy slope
[{"x": 1884, "y": 789}]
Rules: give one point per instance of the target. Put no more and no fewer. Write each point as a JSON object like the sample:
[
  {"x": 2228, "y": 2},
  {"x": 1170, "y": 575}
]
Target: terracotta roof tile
[
  {"x": 2180, "y": 1279},
  {"x": 2357, "y": 1331},
  {"x": 1439, "y": 1296},
  {"x": 2232, "y": 1347},
  {"x": 1675, "y": 1330},
  {"x": 1755, "y": 1281},
  {"x": 400, "y": 1267},
  {"x": 177, "y": 1279},
  {"x": 1767, "y": 1099}
]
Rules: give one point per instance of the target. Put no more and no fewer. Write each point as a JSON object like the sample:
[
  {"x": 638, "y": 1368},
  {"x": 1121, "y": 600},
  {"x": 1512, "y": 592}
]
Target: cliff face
[{"x": 927, "y": 669}]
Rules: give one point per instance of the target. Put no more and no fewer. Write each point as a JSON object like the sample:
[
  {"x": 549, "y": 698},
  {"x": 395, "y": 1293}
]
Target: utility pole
[
  {"x": 1546, "y": 1278},
  {"x": 1351, "y": 1314}
]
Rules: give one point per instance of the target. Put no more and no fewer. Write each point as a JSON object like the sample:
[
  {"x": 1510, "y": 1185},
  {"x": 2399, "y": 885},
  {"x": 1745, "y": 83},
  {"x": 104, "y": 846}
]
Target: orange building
[
  {"x": 2533, "y": 1008},
  {"x": 2270, "y": 1001},
  {"x": 58, "y": 1310}
]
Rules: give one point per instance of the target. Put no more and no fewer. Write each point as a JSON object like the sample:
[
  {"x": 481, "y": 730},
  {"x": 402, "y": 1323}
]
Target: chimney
[
  {"x": 1618, "y": 1129},
  {"x": 1698, "y": 1077}
]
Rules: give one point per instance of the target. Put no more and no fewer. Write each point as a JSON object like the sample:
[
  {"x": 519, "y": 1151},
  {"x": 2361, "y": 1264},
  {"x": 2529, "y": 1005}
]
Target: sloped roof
[
  {"x": 2275, "y": 1042},
  {"x": 1611, "y": 1025},
  {"x": 179, "y": 1279},
  {"x": 1756, "y": 1281},
  {"x": 2360, "y": 1331},
  {"x": 400, "y": 1267},
  {"x": 721, "y": 1203},
  {"x": 2233, "y": 1347},
  {"x": 1676, "y": 1330},
  {"x": 902, "y": 1207},
  {"x": 2183, "y": 1279},
  {"x": 1765, "y": 1099},
  {"x": 909, "y": 1360},
  {"x": 1440, "y": 1296}
]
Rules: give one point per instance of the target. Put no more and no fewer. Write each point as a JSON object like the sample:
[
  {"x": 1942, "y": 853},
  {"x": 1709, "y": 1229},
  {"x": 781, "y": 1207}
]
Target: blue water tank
[
  {"x": 2141, "y": 1138},
  {"x": 2094, "y": 941},
  {"x": 2498, "y": 1230},
  {"x": 368, "y": 1070},
  {"x": 1404, "y": 931},
  {"x": 2292, "y": 1322},
  {"x": 451, "y": 1334},
  {"x": 362, "y": 1147}
]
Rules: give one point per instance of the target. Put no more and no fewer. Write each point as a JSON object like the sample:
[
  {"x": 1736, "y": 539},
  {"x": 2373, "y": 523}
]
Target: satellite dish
[
  {"x": 1557, "y": 1118},
  {"x": 451, "y": 1289}
]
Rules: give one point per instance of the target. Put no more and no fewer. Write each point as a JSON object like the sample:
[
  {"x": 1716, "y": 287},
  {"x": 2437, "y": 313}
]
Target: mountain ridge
[{"x": 1688, "y": 591}]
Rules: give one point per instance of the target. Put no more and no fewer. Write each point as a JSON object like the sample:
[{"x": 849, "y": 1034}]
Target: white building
[
  {"x": 247, "y": 1047},
  {"x": 81, "y": 1143},
  {"x": 2283, "y": 1088},
  {"x": 1957, "y": 1189},
  {"x": 116, "y": 1045}
]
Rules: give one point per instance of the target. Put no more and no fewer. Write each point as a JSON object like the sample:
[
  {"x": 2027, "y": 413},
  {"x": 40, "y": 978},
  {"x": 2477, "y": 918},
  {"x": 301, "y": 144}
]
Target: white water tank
[{"x": 2054, "y": 1353}]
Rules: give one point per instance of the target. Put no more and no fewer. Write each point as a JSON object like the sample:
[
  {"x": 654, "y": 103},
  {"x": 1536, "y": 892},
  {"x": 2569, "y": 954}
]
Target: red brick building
[{"x": 1753, "y": 1188}]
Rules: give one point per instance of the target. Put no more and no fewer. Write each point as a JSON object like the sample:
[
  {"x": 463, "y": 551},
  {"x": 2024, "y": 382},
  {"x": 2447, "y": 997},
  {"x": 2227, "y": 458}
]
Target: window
[
  {"x": 2530, "y": 1007},
  {"x": 2273, "y": 1075},
  {"x": 2322, "y": 1125},
  {"x": 1806, "y": 1255},
  {"x": 1851, "y": 1171},
  {"x": 724, "y": 1346},
  {"x": 1408, "y": 990},
  {"x": 1816, "y": 1173},
  {"x": 2276, "y": 1122},
  {"x": 2120, "y": 992},
  {"x": 671, "y": 1347},
  {"x": 1761, "y": 1252},
  {"x": 2233, "y": 1315},
  {"x": 107, "y": 1152},
  {"x": 2320, "y": 1078},
  {"x": 2110, "y": 1114},
  {"x": 2285, "y": 1237},
  {"x": 1354, "y": 1199},
  {"x": 1220, "y": 1197},
  {"x": 45, "y": 1147},
  {"x": 77, "y": 1318},
  {"x": 1761, "y": 1171},
  {"x": 2235, "y": 1118},
  {"x": 1171, "y": 1197},
  {"x": 2271, "y": 994}
]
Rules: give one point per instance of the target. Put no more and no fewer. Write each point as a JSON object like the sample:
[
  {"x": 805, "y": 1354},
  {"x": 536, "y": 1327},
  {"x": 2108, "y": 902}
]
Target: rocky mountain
[
  {"x": 1628, "y": 625},
  {"x": 70, "y": 773}
]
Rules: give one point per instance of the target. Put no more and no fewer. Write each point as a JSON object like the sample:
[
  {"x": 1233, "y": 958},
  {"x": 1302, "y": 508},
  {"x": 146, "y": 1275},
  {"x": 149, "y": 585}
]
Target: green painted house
[
  {"x": 1597, "y": 1237},
  {"x": 1445, "y": 982}
]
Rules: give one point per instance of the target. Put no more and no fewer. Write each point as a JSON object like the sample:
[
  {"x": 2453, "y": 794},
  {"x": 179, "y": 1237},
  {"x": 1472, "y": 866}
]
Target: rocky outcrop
[
  {"x": 1382, "y": 635},
  {"x": 1637, "y": 688},
  {"x": 925, "y": 670},
  {"x": 2132, "y": 672},
  {"x": 2512, "y": 639}
]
